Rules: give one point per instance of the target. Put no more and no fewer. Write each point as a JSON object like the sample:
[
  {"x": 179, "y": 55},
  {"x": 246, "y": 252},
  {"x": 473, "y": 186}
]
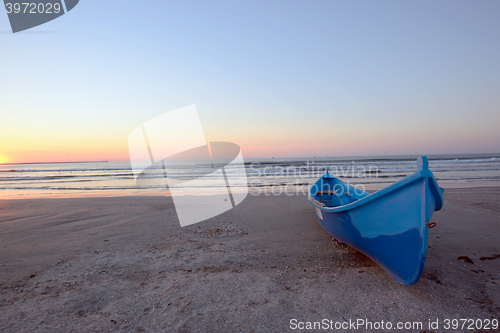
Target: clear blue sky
[{"x": 280, "y": 78}]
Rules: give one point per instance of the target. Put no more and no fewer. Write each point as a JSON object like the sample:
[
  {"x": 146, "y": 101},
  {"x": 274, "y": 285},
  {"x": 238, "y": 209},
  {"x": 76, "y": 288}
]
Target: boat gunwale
[{"x": 425, "y": 173}]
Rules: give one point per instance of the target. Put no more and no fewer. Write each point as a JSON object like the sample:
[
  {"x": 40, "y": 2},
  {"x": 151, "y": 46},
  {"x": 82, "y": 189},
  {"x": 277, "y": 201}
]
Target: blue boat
[{"x": 389, "y": 226}]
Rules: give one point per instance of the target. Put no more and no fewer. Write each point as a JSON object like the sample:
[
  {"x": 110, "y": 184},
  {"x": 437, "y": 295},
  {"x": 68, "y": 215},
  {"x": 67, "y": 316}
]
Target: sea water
[{"x": 116, "y": 178}]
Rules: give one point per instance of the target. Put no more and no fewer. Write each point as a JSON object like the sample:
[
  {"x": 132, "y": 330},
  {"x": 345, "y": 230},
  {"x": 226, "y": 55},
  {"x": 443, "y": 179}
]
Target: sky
[{"x": 278, "y": 78}]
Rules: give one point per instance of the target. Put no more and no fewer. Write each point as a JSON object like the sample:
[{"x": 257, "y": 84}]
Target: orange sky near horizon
[
  {"x": 262, "y": 146},
  {"x": 265, "y": 145},
  {"x": 4, "y": 159},
  {"x": 79, "y": 149},
  {"x": 76, "y": 139}
]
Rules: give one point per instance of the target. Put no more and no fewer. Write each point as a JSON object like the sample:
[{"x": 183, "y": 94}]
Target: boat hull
[{"x": 389, "y": 226}]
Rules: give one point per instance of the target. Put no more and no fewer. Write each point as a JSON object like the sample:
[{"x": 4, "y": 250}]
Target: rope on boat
[{"x": 430, "y": 225}]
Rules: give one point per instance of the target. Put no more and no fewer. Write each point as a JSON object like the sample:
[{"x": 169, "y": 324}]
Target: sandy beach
[{"x": 125, "y": 264}]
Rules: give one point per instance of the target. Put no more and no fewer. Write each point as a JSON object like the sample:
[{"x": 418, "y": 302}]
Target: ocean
[{"x": 271, "y": 175}]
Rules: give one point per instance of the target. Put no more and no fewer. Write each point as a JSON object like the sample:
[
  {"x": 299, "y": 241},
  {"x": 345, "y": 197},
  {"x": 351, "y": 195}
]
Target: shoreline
[
  {"x": 124, "y": 263},
  {"x": 252, "y": 191}
]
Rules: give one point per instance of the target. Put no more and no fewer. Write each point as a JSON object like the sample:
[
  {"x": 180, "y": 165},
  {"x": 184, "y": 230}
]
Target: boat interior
[{"x": 329, "y": 191}]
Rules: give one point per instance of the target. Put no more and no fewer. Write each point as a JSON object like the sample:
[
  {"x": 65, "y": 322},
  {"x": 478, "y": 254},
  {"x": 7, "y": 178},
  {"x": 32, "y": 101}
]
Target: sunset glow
[{"x": 3, "y": 159}]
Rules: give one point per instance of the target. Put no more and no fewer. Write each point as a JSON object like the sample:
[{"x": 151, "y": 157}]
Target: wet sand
[{"x": 125, "y": 264}]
